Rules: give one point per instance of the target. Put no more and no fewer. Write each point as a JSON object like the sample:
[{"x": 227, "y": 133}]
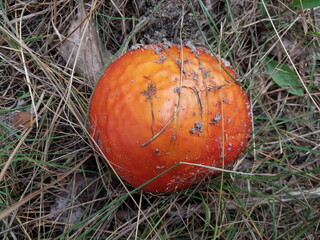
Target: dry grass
[{"x": 54, "y": 185}]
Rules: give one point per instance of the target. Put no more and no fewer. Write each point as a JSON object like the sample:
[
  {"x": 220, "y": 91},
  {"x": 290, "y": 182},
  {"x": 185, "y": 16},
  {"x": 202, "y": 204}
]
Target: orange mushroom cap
[{"x": 161, "y": 106}]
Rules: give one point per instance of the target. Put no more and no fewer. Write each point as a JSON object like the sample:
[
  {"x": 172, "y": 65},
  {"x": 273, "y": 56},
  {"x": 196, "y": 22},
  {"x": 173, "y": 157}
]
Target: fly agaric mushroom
[{"x": 158, "y": 106}]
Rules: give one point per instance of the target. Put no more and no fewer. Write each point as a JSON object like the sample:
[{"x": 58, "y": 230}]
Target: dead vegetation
[{"x": 54, "y": 185}]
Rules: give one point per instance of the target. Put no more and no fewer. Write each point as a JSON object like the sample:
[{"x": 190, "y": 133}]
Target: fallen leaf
[
  {"x": 82, "y": 49},
  {"x": 22, "y": 120},
  {"x": 14, "y": 119}
]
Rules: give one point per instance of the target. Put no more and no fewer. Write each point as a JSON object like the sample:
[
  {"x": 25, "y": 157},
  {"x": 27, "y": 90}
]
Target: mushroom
[{"x": 163, "y": 115}]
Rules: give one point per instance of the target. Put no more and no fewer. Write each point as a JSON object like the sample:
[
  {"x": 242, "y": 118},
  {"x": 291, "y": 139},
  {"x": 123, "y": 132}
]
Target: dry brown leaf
[
  {"x": 17, "y": 120},
  {"x": 81, "y": 49},
  {"x": 22, "y": 120}
]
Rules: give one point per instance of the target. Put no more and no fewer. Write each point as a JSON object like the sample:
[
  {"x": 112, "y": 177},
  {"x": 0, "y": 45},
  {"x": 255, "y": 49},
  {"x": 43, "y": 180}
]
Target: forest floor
[{"x": 54, "y": 184}]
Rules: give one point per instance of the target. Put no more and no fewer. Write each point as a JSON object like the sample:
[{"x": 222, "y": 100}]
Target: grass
[{"x": 56, "y": 163}]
